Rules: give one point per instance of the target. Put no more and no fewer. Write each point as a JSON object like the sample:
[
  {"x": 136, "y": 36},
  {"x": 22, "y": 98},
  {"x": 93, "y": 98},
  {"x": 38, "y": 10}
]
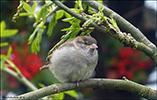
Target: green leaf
[
  {"x": 67, "y": 15},
  {"x": 84, "y": 6},
  {"x": 9, "y": 32},
  {"x": 100, "y": 1},
  {"x": 113, "y": 22},
  {"x": 3, "y": 59},
  {"x": 59, "y": 14},
  {"x": 31, "y": 37},
  {"x": 27, "y": 8},
  {"x": 99, "y": 7},
  {"x": 34, "y": 6},
  {"x": 3, "y": 56},
  {"x": 3, "y": 65},
  {"x": 27, "y": 0},
  {"x": 35, "y": 47},
  {"x": 41, "y": 85},
  {"x": 24, "y": 14},
  {"x": 74, "y": 33},
  {"x": 92, "y": 12},
  {"x": 42, "y": 14},
  {"x": 9, "y": 51},
  {"x": 58, "y": 96},
  {"x": 72, "y": 93},
  {"x": 68, "y": 19},
  {"x": 51, "y": 25},
  {"x": 48, "y": 2},
  {"x": 75, "y": 25},
  {"x": 13, "y": 66},
  {"x": 4, "y": 44},
  {"x": 2, "y": 26},
  {"x": 66, "y": 29}
]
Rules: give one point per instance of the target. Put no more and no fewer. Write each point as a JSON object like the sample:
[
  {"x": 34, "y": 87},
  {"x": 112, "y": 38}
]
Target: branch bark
[
  {"x": 121, "y": 22},
  {"x": 125, "y": 84},
  {"x": 126, "y": 25},
  {"x": 143, "y": 43}
]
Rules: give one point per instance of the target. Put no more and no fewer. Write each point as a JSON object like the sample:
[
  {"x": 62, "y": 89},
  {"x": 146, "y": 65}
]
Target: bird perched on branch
[{"x": 75, "y": 60}]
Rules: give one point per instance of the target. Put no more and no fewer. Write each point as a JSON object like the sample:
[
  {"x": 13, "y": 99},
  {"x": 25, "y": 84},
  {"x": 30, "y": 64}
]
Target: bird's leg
[{"x": 77, "y": 83}]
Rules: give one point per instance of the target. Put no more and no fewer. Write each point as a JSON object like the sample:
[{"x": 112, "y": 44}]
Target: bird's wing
[{"x": 46, "y": 66}]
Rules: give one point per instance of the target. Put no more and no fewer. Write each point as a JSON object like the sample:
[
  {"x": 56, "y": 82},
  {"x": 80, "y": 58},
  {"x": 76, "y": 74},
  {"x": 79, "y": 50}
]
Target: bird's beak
[{"x": 92, "y": 46}]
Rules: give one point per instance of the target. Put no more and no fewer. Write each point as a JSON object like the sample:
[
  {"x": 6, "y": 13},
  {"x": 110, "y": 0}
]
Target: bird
[{"x": 74, "y": 60}]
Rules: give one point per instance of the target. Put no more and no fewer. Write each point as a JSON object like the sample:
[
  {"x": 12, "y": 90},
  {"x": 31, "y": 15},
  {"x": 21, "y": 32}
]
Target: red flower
[
  {"x": 28, "y": 64},
  {"x": 128, "y": 61}
]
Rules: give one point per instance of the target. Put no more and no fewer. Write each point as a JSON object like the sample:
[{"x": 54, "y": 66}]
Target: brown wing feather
[{"x": 67, "y": 43}]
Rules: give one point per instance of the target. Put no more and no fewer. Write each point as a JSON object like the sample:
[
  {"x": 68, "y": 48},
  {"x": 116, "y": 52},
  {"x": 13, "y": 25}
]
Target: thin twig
[
  {"x": 121, "y": 22},
  {"x": 21, "y": 78},
  {"x": 147, "y": 47}
]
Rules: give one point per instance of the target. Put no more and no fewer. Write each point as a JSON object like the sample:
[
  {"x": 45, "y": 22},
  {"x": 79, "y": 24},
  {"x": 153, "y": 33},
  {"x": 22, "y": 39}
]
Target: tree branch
[
  {"x": 121, "y": 22},
  {"x": 125, "y": 84},
  {"x": 21, "y": 78},
  {"x": 126, "y": 25},
  {"x": 147, "y": 47}
]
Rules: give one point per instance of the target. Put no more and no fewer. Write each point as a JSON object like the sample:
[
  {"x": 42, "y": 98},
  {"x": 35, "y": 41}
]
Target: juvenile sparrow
[{"x": 75, "y": 60}]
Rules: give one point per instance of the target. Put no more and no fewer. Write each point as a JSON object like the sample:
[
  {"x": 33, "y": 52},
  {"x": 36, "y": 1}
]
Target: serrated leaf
[
  {"x": 4, "y": 44},
  {"x": 9, "y": 32},
  {"x": 59, "y": 14},
  {"x": 2, "y": 26},
  {"x": 27, "y": 8},
  {"x": 72, "y": 93}
]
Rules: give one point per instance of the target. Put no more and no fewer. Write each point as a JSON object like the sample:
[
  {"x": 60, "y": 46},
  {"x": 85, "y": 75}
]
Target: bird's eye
[{"x": 85, "y": 42}]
